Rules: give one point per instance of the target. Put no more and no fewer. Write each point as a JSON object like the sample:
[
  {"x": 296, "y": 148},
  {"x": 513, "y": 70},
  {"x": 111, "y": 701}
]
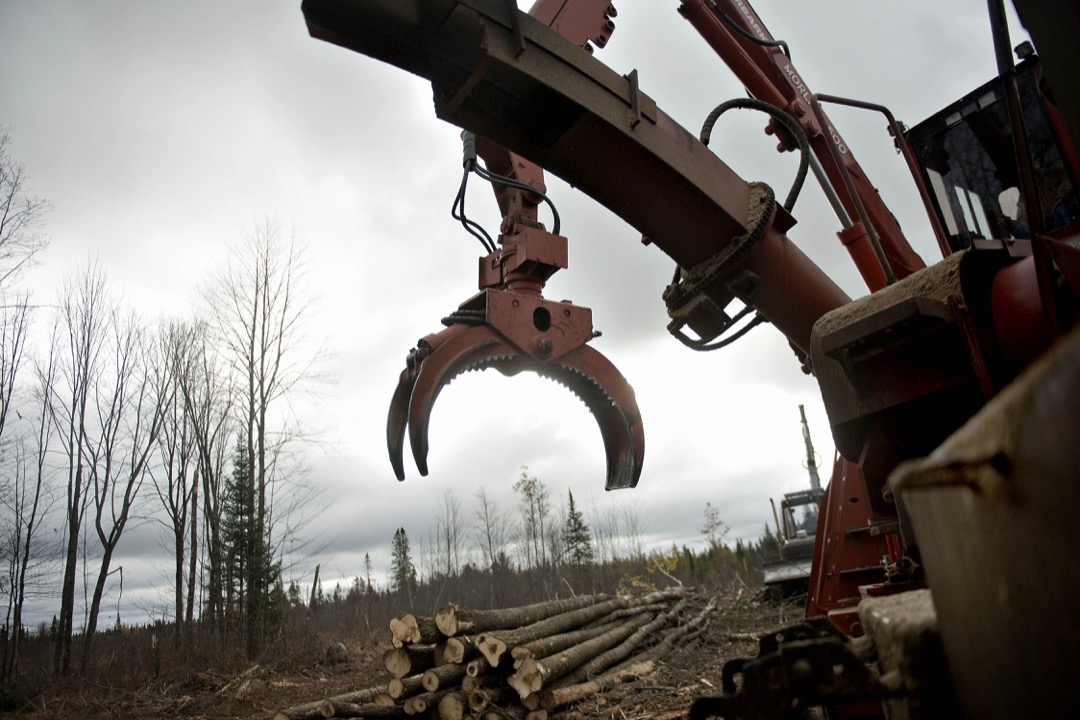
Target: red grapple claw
[
  {"x": 439, "y": 358},
  {"x": 511, "y": 327}
]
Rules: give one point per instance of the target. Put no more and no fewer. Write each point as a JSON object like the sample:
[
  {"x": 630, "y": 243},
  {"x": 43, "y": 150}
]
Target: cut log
[
  {"x": 508, "y": 712},
  {"x": 480, "y": 699},
  {"x": 399, "y": 688},
  {"x": 531, "y": 702},
  {"x": 557, "y": 643},
  {"x": 453, "y": 620},
  {"x": 539, "y": 714},
  {"x": 477, "y": 667},
  {"x": 468, "y": 683},
  {"x": 331, "y": 709},
  {"x": 409, "y": 660},
  {"x": 623, "y": 650},
  {"x": 452, "y": 706},
  {"x": 630, "y": 611},
  {"x": 420, "y": 704},
  {"x": 313, "y": 710},
  {"x": 533, "y": 673},
  {"x": 383, "y": 699},
  {"x": 494, "y": 645},
  {"x": 460, "y": 649},
  {"x": 410, "y": 629},
  {"x": 442, "y": 677},
  {"x": 557, "y": 697}
]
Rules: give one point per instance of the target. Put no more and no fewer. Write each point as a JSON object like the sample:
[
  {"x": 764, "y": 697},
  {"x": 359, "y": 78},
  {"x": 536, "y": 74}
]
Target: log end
[
  {"x": 446, "y": 620},
  {"x": 404, "y": 630},
  {"x": 492, "y": 648},
  {"x": 523, "y": 684},
  {"x": 451, "y": 707},
  {"x": 383, "y": 699}
]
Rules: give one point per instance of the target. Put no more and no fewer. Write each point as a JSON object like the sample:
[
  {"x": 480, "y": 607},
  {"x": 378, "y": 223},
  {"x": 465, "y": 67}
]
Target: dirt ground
[{"x": 691, "y": 670}]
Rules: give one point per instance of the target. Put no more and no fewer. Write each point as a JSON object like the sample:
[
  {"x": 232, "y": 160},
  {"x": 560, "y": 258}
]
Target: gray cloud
[{"x": 161, "y": 131}]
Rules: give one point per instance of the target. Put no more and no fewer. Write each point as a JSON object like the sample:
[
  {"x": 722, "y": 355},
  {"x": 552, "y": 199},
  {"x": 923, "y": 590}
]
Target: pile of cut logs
[{"x": 517, "y": 663}]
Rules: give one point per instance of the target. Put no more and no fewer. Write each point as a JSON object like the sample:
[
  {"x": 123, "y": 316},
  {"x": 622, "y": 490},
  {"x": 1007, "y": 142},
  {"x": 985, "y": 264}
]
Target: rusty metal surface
[{"x": 994, "y": 511}]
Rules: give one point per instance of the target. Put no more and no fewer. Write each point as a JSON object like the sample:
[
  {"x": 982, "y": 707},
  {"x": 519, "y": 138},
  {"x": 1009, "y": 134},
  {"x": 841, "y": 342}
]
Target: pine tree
[
  {"x": 253, "y": 586},
  {"x": 577, "y": 540},
  {"x": 356, "y": 590},
  {"x": 402, "y": 570}
]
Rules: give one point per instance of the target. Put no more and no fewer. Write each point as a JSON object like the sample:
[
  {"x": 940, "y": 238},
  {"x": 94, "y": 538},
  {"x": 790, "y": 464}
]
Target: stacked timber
[{"x": 519, "y": 663}]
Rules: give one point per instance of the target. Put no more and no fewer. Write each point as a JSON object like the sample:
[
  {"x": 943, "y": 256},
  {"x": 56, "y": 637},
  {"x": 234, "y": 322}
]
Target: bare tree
[
  {"x": 534, "y": 506},
  {"x": 604, "y": 521},
  {"x": 177, "y": 478},
  {"x": 20, "y": 216},
  {"x": 133, "y": 389},
  {"x": 259, "y": 312},
  {"x": 492, "y": 532},
  {"x": 77, "y": 340},
  {"x": 492, "y": 529},
  {"x": 205, "y": 390},
  {"x": 27, "y": 494},
  {"x": 633, "y": 526},
  {"x": 450, "y": 532}
]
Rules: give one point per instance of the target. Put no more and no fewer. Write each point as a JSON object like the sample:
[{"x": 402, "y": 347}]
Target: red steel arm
[
  {"x": 584, "y": 23},
  {"x": 769, "y": 75}
]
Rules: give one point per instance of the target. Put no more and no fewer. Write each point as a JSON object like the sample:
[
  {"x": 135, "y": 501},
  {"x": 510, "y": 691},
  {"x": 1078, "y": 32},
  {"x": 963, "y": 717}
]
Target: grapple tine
[
  {"x": 609, "y": 397},
  {"x": 396, "y": 422},
  {"x": 475, "y": 345},
  {"x": 398, "y": 416}
]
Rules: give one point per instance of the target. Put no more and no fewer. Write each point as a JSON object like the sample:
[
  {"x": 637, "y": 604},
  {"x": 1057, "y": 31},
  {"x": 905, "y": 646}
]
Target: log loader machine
[
  {"x": 788, "y": 577},
  {"x": 943, "y": 574}
]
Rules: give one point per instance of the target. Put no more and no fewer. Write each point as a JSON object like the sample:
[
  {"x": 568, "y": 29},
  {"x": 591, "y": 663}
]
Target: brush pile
[{"x": 518, "y": 663}]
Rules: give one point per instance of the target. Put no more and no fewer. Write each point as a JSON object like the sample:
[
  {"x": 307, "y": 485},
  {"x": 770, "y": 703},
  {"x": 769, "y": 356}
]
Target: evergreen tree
[
  {"x": 768, "y": 546},
  {"x": 577, "y": 540},
  {"x": 356, "y": 590},
  {"x": 402, "y": 570},
  {"x": 253, "y": 586}
]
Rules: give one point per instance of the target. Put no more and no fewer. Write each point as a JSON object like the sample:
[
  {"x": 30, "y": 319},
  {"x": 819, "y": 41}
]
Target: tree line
[
  {"x": 489, "y": 556},
  {"x": 109, "y": 417}
]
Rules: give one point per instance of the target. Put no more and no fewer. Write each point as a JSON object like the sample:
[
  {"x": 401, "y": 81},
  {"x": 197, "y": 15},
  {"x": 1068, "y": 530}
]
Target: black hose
[
  {"x": 742, "y": 32},
  {"x": 457, "y": 211},
  {"x": 510, "y": 182},
  {"x": 784, "y": 119}
]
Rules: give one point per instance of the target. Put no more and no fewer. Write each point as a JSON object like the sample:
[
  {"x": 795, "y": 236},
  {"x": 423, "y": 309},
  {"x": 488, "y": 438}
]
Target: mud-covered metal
[{"x": 804, "y": 665}]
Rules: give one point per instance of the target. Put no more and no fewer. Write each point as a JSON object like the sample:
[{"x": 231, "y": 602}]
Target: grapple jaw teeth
[
  {"x": 607, "y": 394},
  {"x": 441, "y": 357}
]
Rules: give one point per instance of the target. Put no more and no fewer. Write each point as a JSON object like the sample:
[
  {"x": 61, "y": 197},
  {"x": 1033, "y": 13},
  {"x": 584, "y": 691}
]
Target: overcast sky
[{"x": 160, "y": 131}]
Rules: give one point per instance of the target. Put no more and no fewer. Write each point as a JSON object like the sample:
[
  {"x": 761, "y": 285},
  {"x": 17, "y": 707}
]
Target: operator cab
[
  {"x": 799, "y": 515},
  {"x": 966, "y": 155}
]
